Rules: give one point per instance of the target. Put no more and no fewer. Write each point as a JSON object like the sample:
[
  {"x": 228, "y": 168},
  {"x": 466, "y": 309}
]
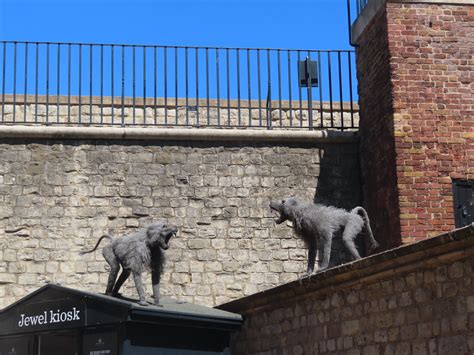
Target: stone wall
[
  {"x": 415, "y": 80},
  {"x": 416, "y": 299},
  {"x": 57, "y": 196},
  {"x": 96, "y": 111}
]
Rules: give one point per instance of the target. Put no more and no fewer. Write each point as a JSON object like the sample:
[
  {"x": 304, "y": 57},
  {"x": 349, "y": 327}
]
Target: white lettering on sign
[{"x": 49, "y": 317}]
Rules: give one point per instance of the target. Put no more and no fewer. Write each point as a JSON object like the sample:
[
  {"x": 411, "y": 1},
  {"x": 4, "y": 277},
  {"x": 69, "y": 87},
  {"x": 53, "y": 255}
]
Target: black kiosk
[{"x": 56, "y": 320}]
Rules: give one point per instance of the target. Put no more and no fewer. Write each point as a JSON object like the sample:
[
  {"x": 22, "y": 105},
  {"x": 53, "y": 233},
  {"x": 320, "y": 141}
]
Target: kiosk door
[{"x": 64, "y": 343}]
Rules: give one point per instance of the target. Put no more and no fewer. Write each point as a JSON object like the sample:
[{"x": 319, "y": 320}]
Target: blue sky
[
  {"x": 308, "y": 24},
  {"x": 287, "y": 24}
]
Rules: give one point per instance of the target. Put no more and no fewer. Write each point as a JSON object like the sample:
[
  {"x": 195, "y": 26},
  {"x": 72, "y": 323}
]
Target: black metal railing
[{"x": 119, "y": 84}]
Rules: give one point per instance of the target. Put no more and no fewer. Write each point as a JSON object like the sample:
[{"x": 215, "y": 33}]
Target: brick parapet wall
[
  {"x": 418, "y": 57},
  {"x": 416, "y": 299},
  {"x": 57, "y": 196}
]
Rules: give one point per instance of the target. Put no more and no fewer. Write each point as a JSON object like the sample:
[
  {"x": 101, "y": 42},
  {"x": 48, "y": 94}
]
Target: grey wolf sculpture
[
  {"x": 316, "y": 225},
  {"x": 136, "y": 252}
]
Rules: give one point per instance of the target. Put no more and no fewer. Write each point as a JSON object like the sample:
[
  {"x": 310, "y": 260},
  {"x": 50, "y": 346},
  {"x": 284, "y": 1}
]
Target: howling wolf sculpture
[{"x": 317, "y": 223}]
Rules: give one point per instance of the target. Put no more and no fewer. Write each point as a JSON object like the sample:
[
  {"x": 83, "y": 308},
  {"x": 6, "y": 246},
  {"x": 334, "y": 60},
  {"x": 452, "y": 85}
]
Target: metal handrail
[{"x": 165, "y": 74}]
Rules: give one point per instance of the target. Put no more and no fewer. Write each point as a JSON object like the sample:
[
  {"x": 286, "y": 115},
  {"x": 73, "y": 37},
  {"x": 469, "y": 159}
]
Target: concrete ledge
[
  {"x": 374, "y": 6},
  {"x": 193, "y": 134},
  {"x": 455, "y": 245}
]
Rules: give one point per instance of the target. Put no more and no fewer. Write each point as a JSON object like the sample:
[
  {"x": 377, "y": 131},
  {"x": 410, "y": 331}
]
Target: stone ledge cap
[
  {"x": 404, "y": 259},
  {"x": 194, "y": 134}
]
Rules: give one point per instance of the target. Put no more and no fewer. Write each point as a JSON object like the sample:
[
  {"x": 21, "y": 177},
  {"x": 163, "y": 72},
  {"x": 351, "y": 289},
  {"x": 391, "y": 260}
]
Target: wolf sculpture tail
[
  {"x": 97, "y": 244},
  {"x": 363, "y": 213}
]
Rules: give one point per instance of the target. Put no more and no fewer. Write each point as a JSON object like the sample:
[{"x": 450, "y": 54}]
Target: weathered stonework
[
  {"x": 58, "y": 197},
  {"x": 416, "y": 299},
  {"x": 244, "y": 114}
]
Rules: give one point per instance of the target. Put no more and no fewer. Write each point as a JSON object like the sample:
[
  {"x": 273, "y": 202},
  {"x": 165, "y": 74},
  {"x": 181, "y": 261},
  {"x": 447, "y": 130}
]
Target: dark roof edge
[
  {"x": 402, "y": 259},
  {"x": 58, "y": 287}
]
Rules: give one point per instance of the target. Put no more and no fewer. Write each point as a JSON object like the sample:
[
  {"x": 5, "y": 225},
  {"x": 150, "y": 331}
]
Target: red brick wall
[
  {"x": 431, "y": 50},
  {"x": 379, "y": 176}
]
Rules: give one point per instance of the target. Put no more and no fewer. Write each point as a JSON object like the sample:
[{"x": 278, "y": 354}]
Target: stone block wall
[
  {"x": 96, "y": 111},
  {"x": 416, "y": 132},
  {"x": 417, "y": 299},
  {"x": 58, "y": 197}
]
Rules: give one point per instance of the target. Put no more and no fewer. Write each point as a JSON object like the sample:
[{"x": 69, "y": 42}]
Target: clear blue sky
[
  {"x": 289, "y": 24},
  {"x": 311, "y": 24}
]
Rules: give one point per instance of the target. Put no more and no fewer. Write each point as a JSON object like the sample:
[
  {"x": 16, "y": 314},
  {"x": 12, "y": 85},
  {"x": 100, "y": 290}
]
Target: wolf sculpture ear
[{"x": 153, "y": 231}]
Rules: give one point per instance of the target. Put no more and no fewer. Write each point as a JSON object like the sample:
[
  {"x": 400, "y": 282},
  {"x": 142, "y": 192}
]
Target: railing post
[{"x": 114, "y": 72}]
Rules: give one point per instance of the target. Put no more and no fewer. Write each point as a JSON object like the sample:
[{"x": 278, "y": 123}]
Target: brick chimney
[{"x": 415, "y": 67}]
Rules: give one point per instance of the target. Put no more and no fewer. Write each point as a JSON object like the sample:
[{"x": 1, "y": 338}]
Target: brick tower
[{"x": 415, "y": 64}]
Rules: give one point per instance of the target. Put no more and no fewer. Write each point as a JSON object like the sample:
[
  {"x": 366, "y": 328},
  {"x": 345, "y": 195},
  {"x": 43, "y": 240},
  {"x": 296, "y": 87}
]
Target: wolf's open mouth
[{"x": 168, "y": 238}]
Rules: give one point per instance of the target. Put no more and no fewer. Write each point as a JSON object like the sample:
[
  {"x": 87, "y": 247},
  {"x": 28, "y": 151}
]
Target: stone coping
[
  {"x": 446, "y": 247},
  {"x": 192, "y": 134},
  {"x": 19, "y": 99},
  {"x": 373, "y": 7}
]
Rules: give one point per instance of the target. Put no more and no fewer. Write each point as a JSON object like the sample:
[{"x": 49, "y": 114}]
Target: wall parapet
[
  {"x": 373, "y": 6},
  {"x": 415, "y": 299},
  {"x": 450, "y": 246}
]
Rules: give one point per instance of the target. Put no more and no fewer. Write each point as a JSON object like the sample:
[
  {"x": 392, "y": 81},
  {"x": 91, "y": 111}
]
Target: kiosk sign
[{"x": 49, "y": 317}]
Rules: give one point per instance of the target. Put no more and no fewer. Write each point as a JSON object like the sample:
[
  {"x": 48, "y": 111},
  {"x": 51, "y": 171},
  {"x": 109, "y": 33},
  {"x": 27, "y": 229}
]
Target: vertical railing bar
[
  {"x": 186, "y": 84},
  {"x": 279, "y": 87},
  {"x": 269, "y": 92},
  {"x": 237, "y": 53},
  {"x": 26, "y": 82},
  {"x": 144, "y": 84},
  {"x": 36, "y": 83},
  {"x": 320, "y": 89},
  {"x": 122, "y": 85},
  {"x": 3, "y": 78},
  {"x": 330, "y": 89},
  {"x": 101, "y": 83},
  {"x": 350, "y": 89},
  {"x": 58, "y": 87},
  {"x": 165, "y": 74},
  {"x": 176, "y": 83},
  {"x": 310, "y": 91},
  {"x": 249, "y": 86},
  {"x": 133, "y": 81},
  {"x": 299, "y": 94},
  {"x": 259, "y": 87},
  {"x": 69, "y": 83},
  {"x": 289, "y": 89},
  {"x": 218, "y": 89},
  {"x": 14, "y": 79},
  {"x": 90, "y": 82},
  {"x": 207, "y": 88},
  {"x": 340, "y": 88},
  {"x": 47, "y": 83},
  {"x": 80, "y": 81},
  {"x": 155, "y": 94},
  {"x": 112, "y": 84},
  {"x": 197, "y": 86},
  {"x": 228, "y": 85}
]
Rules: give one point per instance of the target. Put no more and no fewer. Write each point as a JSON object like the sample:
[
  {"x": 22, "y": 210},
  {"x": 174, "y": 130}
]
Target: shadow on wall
[{"x": 339, "y": 166}]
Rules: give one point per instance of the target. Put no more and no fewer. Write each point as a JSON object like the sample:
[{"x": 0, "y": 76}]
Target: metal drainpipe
[{"x": 349, "y": 24}]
